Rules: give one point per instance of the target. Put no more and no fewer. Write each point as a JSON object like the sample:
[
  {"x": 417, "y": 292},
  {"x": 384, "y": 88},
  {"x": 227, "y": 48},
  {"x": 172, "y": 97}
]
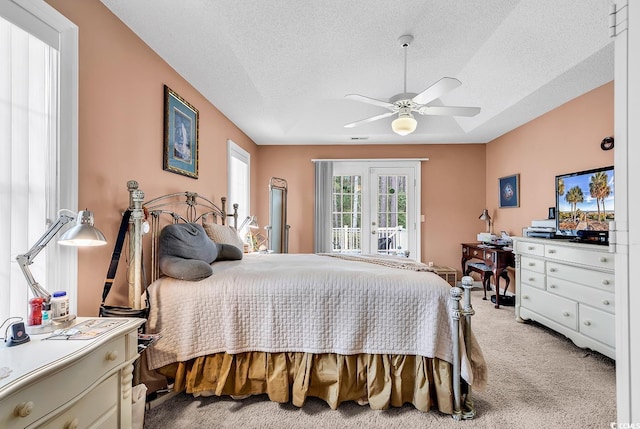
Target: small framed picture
[
  {"x": 509, "y": 188},
  {"x": 552, "y": 213},
  {"x": 180, "y": 135}
]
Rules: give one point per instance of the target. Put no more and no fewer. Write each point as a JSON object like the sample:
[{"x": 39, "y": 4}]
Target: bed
[{"x": 383, "y": 331}]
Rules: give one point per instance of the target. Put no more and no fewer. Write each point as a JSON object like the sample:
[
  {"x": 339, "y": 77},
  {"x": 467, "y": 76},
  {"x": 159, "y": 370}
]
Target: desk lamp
[
  {"x": 252, "y": 223},
  {"x": 485, "y": 216},
  {"x": 82, "y": 234}
]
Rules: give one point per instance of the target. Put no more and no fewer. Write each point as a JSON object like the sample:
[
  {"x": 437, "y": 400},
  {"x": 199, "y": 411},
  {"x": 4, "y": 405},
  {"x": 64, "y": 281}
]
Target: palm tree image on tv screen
[{"x": 585, "y": 200}]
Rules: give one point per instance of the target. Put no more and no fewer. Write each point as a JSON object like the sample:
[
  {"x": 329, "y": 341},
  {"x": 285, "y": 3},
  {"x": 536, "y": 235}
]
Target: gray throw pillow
[
  {"x": 187, "y": 240},
  {"x": 185, "y": 251},
  {"x": 228, "y": 252},
  {"x": 184, "y": 269}
]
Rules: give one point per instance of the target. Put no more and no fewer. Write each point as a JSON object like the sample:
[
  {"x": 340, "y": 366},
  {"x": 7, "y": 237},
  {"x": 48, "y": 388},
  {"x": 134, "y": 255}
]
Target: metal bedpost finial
[
  {"x": 467, "y": 281},
  {"x": 132, "y": 185},
  {"x": 467, "y": 284},
  {"x": 456, "y": 296}
]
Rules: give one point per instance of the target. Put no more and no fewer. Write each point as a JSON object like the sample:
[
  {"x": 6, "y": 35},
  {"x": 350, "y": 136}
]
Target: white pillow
[{"x": 223, "y": 234}]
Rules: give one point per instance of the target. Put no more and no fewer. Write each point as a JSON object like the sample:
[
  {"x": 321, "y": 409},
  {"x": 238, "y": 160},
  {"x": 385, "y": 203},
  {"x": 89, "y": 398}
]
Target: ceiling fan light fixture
[{"x": 404, "y": 124}]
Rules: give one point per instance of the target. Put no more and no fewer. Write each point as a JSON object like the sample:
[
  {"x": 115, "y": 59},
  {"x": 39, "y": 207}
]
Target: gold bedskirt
[{"x": 382, "y": 381}]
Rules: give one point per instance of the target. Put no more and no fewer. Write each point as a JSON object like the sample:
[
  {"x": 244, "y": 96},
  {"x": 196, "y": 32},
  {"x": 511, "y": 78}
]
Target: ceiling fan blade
[
  {"x": 437, "y": 90},
  {"x": 449, "y": 110},
  {"x": 371, "y": 119},
  {"x": 369, "y": 100}
]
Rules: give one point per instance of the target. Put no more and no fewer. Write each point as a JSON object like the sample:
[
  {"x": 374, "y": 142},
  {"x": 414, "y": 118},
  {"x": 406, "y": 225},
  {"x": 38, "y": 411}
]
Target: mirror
[{"x": 278, "y": 230}]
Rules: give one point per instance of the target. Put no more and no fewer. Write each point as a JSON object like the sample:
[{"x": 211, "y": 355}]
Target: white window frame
[
  {"x": 46, "y": 23},
  {"x": 244, "y": 201}
]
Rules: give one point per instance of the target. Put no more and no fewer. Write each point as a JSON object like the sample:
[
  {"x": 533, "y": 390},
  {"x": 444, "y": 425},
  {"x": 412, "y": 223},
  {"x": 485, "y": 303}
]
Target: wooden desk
[{"x": 497, "y": 259}]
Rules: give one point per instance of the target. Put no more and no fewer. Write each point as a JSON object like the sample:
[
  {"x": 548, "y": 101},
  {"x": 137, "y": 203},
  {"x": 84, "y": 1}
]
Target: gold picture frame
[{"x": 181, "y": 130}]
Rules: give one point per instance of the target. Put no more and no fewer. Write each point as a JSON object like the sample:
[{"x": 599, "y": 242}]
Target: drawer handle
[
  {"x": 23, "y": 410},
  {"x": 552, "y": 270},
  {"x": 530, "y": 248},
  {"x": 603, "y": 259},
  {"x": 587, "y": 323},
  {"x": 552, "y": 251},
  {"x": 553, "y": 286},
  {"x": 605, "y": 302},
  {"x": 532, "y": 264},
  {"x": 525, "y": 296},
  {"x": 605, "y": 282},
  {"x": 475, "y": 252},
  {"x": 113, "y": 355},
  {"x": 566, "y": 314},
  {"x": 71, "y": 424},
  {"x": 532, "y": 279}
]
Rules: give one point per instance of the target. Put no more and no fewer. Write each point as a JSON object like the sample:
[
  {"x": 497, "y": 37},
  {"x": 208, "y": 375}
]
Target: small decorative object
[
  {"x": 552, "y": 213},
  {"x": 180, "y": 135},
  {"x": 607, "y": 143},
  {"x": 509, "y": 191}
]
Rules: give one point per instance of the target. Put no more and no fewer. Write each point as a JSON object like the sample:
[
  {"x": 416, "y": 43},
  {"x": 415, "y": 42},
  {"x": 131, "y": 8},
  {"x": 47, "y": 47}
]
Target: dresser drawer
[
  {"x": 474, "y": 253},
  {"x": 532, "y": 278},
  {"x": 597, "y": 279},
  {"x": 532, "y": 264},
  {"x": 597, "y": 298},
  {"x": 490, "y": 258},
  {"x": 594, "y": 258},
  {"x": 597, "y": 325},
  {"x": 554, "y": 307},
  {"x": 529, "y": 248},
  {"x": 99, "y": 404},
  {"x": 62, "y": 386}
]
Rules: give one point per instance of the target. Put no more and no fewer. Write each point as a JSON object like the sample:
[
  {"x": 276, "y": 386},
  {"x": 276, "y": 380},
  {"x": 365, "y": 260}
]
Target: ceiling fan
[{"x": 405, "y": 103}]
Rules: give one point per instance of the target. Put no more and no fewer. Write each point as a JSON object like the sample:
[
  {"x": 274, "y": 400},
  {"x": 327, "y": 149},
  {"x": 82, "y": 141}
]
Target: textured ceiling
[{"x": 280, "y": 69}]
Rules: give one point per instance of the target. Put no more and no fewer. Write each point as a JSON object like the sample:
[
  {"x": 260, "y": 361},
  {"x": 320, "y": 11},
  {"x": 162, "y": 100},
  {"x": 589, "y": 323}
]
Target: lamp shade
[
  {"x": 485, "y": 215},
  {"x": 83, "y": 233},
  {"x": 253, "y": 223},
  {"x": 249, "y": 221},
  {"x": 404, "y": 124}
]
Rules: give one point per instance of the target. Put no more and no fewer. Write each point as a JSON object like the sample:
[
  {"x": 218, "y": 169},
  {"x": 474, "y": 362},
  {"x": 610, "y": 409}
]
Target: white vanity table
[{"x": 75, "y": 383}]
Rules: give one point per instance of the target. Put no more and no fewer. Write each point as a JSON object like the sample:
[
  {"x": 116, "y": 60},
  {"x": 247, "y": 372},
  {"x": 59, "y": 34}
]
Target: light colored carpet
[{"x": 537, "y": 379}]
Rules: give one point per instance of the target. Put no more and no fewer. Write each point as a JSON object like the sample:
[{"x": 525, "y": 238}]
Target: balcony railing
[{"x": 390, "y": 240}]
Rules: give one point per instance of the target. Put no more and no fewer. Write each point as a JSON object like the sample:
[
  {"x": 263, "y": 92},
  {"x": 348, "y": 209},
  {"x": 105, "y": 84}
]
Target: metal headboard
[{"x": 158, "y": 212}]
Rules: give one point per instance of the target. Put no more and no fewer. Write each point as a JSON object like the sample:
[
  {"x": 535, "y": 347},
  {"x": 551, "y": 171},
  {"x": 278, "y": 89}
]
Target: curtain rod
[{"x": 370, "y": 159}]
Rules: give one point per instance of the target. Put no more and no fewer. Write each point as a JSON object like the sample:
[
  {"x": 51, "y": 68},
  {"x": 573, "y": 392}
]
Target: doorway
[{"x": 375, "y": 207}]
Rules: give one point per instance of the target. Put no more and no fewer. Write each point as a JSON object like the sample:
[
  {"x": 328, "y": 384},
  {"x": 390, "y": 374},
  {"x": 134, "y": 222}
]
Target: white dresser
[
  {"x": 76, "y": 383},
  {"x": 568, "y": 287}
]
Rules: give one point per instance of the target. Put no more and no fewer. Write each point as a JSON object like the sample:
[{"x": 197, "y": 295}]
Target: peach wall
[
  {"x": 121, "y": 101},
  {"x": 564, "y": 140},
  {"x": 452, "y": 191}
]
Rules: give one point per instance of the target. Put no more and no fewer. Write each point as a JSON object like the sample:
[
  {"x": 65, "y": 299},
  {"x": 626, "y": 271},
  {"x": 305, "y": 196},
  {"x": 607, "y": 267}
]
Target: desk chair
[{"x": 487, "y": 272}]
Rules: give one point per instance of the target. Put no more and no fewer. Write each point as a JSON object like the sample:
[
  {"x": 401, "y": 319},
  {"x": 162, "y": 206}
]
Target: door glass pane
[
  {"x": 347, "y": 214},
  {"x": 392, "y": 214}
]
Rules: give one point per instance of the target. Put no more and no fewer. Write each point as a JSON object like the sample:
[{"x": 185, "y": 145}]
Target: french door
[{"x": 376, "y": 207}]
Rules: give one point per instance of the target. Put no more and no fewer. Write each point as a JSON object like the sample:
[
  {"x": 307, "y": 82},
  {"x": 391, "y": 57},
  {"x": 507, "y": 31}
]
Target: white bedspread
[{"x": 302, "y": 302}]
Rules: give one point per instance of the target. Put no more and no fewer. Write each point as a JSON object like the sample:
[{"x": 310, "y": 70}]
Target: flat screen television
[{"x": 584, "y": 201}]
